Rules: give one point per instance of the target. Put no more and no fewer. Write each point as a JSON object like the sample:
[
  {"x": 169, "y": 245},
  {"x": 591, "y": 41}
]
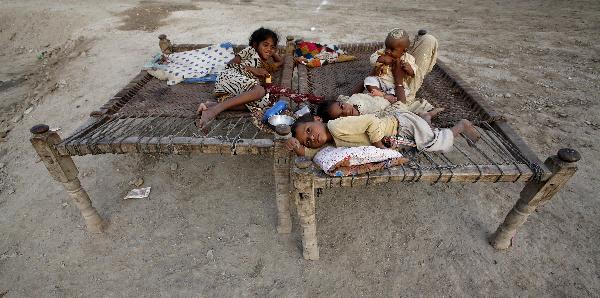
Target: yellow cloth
[
  {"x": 369, "y": 104},
  {"x": 365, "y": 103},
  {"x": 362, "y": 130},
  {"x": 416, "y": 107},
  {"x": 345, "y": 58}
]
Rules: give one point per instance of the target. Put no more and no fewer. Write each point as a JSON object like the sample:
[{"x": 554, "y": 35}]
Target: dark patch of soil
[
  {"x": 5, "y": 85},
  {"x": 148, "y": 15}
]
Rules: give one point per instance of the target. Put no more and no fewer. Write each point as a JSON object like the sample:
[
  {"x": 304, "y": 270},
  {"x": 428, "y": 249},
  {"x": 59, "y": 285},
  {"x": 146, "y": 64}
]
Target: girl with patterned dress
[{"x": 239, "y": 85}]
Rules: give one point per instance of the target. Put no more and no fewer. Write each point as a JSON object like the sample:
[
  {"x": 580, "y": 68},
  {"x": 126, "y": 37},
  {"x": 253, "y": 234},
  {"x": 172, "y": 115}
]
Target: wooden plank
[
  {"x": 346, "y": 182},
  {"x": 303, "y": 79},
  {"x": 188, "y": 47},
  {"x": 533, "y": 195},
  {"x": 180, "y": 145},
  {"x": 489, "y": 173},
  {"x": 287, "y": 73},
  {"x": 91, "y": 124},
  {"x": 83, "y": 148}
]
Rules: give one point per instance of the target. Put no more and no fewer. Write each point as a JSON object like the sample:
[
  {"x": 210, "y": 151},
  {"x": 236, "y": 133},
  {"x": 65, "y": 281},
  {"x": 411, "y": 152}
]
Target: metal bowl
[{"x": 281, "y": 120}]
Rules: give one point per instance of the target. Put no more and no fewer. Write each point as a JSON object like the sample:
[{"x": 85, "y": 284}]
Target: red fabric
[{"x": 276, "y": 91}]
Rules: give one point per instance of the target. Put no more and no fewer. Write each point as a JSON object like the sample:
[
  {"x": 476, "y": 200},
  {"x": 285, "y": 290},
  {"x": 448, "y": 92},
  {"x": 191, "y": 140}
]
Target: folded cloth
[
  {"x": 195, "y": 66},
  {"x": 316, "y": 55},
  {"x": 342, "y": 161}
]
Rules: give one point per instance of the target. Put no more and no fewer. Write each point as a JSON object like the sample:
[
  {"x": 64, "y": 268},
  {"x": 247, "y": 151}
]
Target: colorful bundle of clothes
[
  {"x": 276, "y": 91},
  {"x": 313, "y": 54},
  {"x": 196, "y": 66},
  {"x": 350, "y": 161}
]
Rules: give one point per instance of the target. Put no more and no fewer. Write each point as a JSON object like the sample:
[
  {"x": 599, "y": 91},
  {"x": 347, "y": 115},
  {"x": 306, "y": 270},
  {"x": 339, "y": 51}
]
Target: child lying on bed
[
  {"x": 398, "y": 131},
  {"x": 400, "y": 69},
  {"x": 358, "y": 104}
]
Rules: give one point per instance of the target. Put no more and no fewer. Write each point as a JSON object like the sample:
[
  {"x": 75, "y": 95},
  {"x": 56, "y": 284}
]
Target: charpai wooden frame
[
  {"x": 505, "y": 157},
  {"x": 148, "y": 117}
]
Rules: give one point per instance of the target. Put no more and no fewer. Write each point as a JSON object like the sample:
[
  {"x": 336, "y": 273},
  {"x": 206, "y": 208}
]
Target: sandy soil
[{"x": 537, "y": 62}]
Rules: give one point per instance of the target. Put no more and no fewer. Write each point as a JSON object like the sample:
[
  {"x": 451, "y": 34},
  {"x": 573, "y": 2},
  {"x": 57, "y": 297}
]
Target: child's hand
[
  {"x": 385, "y": 59},
  {"x": 294, "y": 145},
  {"x": 277, "y": 60},
  {"x": 392, "y": 99},
  {"x": 379, "y": 145},
  {"x": 398, "y": 71},
  {"x": 407, "y": 68}
]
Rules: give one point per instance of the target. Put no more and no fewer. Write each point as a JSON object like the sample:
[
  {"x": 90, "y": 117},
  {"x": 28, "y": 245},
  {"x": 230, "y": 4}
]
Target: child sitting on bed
[
  {"x": 239, "y": 85},
  {"x": 382, "y": 83},
  {"x": 400, "y": 69},
  {"x": 398, "y": 131}
]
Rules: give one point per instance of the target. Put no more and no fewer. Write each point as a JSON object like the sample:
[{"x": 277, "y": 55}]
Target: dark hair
[
  {"x": 261, "y": 35},
  {"x": 303, "y": 119},
  {"x": 323, "y": 109}
]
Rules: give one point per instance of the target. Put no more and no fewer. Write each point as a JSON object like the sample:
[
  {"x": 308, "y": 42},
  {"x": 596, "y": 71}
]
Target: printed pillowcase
[{"x": 342, "y": 161}]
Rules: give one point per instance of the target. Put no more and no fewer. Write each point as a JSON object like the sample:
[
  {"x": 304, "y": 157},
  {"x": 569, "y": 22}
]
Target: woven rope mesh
[
  {"x": 337, "y": 79},
  {"x": 157, "y": 98},
  {"x": 148, "y": 110},
  {"x": 148, "y": 107},
  {"x": 440, "y": 90}
]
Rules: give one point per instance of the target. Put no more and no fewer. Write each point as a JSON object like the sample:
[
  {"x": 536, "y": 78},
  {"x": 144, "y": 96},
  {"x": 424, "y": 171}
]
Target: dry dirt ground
[{"x": 208, "y": 228}]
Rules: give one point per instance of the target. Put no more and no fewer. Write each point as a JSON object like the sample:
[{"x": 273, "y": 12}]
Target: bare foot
[
  {"x": 469, "y": 131},
  {"x": 204, "y": 106},
  {"x": 207, "y": 115},
  {"x": 428, "y": 115},
  {"x": 436, "y": 111},
  {"x": 390, "y": 98}
]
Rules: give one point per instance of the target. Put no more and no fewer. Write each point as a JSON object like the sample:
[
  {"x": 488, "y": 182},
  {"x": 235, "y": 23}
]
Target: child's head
[
  {"x": 332, "y": 109},
  {"x": 397, "y": 43},
  {"x": 264, "y": 41},
  {"x": 310, "y": 131}
]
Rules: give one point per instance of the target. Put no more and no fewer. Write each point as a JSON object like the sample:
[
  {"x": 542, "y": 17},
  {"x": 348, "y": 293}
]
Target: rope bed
[
  {"x": 148, "y": 116},
  {"x": 499, "y": 156},
  {"x": 494, "y": 158}
]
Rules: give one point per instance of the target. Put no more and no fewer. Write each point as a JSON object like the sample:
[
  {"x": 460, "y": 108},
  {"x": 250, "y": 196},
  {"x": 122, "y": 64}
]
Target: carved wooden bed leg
[
  {"x": 63, "y": 169},
  {"x": 281, "y": 170},
  {"x": 304, "y": 198},
  {"x": 289, "y": 45},
  {"x": 563, "y": 166}
]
